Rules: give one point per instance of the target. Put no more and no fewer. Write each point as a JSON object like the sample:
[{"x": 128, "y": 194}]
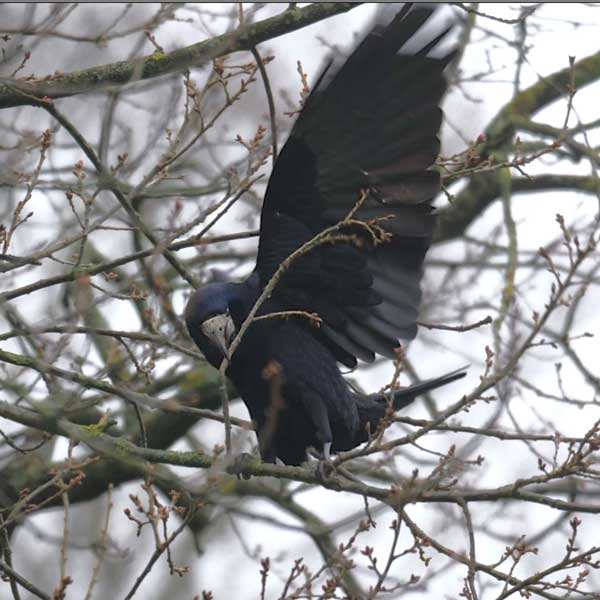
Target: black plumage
[{"x": 370, "y": 125}]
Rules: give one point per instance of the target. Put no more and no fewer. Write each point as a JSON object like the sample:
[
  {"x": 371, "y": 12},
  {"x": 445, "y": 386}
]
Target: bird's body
[
  {"x": 294, "y": 392},
  {"x": 372, "y": 126},
  {"x": 287, "y": 378}
]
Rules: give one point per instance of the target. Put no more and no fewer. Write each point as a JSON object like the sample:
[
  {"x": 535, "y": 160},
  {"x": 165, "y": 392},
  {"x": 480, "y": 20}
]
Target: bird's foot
[
  {"x": 325, "y": 466},
  {"x": 240, "y": 465}
]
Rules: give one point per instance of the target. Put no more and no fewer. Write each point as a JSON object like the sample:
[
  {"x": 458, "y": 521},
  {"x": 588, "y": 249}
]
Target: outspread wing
[{"x": 371, "y": 125}]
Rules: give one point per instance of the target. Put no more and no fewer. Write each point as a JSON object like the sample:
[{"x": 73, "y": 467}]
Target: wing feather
[{"x": 370, "y": 124}]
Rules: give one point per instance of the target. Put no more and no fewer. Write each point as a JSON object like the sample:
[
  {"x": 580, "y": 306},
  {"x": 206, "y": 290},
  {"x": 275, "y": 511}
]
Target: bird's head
[{"x": 211, "y": 315}]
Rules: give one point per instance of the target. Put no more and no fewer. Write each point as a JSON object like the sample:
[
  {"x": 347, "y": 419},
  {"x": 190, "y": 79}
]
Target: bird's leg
[
  {"x": 327, "y": 451},
  {"x": 325, "y": 466},
  {"x": 317, "y": 411}
]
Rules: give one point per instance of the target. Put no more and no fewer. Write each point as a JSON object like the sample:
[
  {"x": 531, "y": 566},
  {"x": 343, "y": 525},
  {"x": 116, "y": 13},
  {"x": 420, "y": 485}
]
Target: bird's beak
[{"x": 220, "y": 329}]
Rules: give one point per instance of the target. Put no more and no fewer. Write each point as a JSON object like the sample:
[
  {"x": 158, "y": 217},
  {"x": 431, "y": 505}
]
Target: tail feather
[
  {"x": 405, "y": 396},
  {"x": 371, "y": 409}
]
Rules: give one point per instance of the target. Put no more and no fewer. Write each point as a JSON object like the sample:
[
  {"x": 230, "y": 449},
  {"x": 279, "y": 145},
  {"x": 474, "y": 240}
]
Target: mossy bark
[{"x": 18, "y": 93}]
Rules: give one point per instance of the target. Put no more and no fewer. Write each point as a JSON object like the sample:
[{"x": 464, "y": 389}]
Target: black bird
[{"x": 370, "y": 126}]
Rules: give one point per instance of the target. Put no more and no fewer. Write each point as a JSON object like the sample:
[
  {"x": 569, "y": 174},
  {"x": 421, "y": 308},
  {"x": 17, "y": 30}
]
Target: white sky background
[{"x": 535, "y": 215}]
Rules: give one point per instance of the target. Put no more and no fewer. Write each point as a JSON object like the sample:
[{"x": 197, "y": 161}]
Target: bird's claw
[
  {"x": 325, "y": 466},
  {"x": 240, "y": 465},
  {"x": 324, "y": 470}
]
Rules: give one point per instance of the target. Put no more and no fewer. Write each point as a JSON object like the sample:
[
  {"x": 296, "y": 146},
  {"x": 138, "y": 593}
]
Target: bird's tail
[
  {"x": 371, "y": 409},
  {"x": 404, "y": 396}
]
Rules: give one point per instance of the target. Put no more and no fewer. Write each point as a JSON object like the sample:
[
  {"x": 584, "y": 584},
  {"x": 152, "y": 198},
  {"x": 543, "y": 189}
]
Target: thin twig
[
  {"x": 6, "y": 552},
  {"x": 101, "y": 544},
  {"x": 22, "y": 581},
  {"x": 105, "y": 176},
  {"x": 485, "y": 321},
  {"x": 271, "y": 102},
  {"x": 160, "y": 549}
]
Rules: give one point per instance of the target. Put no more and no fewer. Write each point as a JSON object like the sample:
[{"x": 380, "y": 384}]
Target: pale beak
[{"x": 220, "y": 330}]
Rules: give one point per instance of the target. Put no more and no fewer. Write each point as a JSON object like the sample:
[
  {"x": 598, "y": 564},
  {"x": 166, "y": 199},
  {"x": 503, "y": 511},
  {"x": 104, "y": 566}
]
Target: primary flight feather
[{"x": 367, "y": 131}]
